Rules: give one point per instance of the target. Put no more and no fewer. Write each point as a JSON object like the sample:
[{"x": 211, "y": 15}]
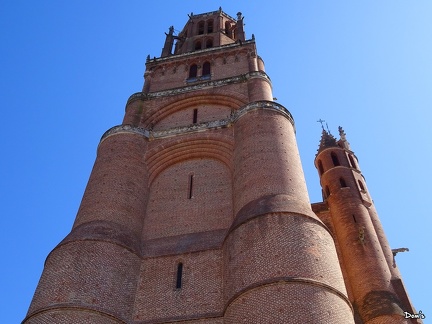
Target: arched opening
[
  {"x": 334, "y": 159},
  {"x": 320, "y": 167},
  {"x": 362, "y": 188},
  {"x": 228, "y": 31},
  {"x": 197, "y": 46},
  {"x": 206, "y": 68},
  {"x": 352, "y": 161},
  {"x": 209, "y": 26},
  {"x": 209, "y": 43},
  {"x": 193, "y": 71},
  {"x": 342, "y": 183},
  {"x": 201, "y": 28}
]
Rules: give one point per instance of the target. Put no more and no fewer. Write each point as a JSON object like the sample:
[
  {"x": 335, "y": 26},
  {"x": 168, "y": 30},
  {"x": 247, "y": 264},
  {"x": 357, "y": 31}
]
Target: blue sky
[{"x": 68, "y": 67}]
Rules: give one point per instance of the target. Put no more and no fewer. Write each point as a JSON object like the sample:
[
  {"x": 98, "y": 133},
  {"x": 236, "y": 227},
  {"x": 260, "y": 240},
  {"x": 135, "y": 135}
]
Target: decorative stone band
[
  {"x": 199, "y": 86},
  {"x": 216, "y": 124}
]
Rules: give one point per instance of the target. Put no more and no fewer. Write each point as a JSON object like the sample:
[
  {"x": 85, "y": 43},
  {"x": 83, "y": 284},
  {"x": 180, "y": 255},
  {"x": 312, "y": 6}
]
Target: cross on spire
[{"x": 321, "y": 121}]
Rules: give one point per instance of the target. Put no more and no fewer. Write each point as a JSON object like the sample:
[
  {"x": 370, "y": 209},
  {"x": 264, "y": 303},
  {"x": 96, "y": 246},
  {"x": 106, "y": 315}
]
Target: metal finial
[
  {"x": 328, "y": 130},
  {"x": 321, "y": 121}
]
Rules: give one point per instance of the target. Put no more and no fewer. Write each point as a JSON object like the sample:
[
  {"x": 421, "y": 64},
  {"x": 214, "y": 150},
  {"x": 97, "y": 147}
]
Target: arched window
[
  {"x": 209, "y": 43},
  {"x": 362, "y": 188},
  {"x": 201, "y": 28},
  {"x": 352, "y": 161},
  {"x": 193, "y": 71},
  {"x": 342, "y": 182},
  {"x": 197, "y": 46},
  {"x": 228, "y": 31},
  {"x": 334, "y": 159},
  {"x": 209, "y": 26},
  {"x": 206, "y": 69},
  {"x": 320, "y": 167}
]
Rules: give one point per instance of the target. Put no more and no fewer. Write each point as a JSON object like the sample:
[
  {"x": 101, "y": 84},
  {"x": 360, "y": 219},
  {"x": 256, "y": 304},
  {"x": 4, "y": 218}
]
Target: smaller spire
[
  {"x": 343, "y": 141},
  {"x": 327, "y": 140}
]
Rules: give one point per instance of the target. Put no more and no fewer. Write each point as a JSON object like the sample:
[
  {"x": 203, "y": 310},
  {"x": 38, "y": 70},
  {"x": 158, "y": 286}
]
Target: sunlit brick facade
[{"x": 196, "y": 210}]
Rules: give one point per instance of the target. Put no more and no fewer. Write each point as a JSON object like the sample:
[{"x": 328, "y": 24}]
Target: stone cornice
[
  {"x": 194, "y": 128},
  {"x": 198, "y": 86},
  {"x": 223, "y": 48}
]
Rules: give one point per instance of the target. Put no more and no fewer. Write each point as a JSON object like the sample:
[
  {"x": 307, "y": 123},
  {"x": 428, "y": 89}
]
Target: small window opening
[
  {"x": 355, "y": 220},
  {"x": 342, "y": 182},
  {"x": 352, "y": 161},
  {"x": 201, "y": 28},
  {"x": 206, "y": 68},
  {"x": 179, "y": 275},
  {"x": 190, "y": 193},
  {"x": 334, "y": 159},
  {"x": 327, "y": 191},
  {"x": 209, "y": 26},
  {"x": 361, "y": 185},
  {"x": 209, "y": 43},
  {"x": 228, "y": 31},
  {"x": 197, "y": 46},
  {"x": 195, "y": 116},
  {"x": 193, "y": 71},
  {"x": 320, "y": 167}
]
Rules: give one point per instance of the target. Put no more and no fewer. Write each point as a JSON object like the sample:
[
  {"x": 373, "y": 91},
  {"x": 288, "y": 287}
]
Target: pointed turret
[
  {"x": 327, "y": 140},
  {"x": 373, "y": 281}
]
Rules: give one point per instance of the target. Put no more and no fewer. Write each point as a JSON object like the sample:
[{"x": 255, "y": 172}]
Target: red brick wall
[
  {"x": 205, "y": 112},
  {"x": 200, "y": 296},
  {"x": 171, "y": 212},
  {"x": 266, "y": 159},
  {"x": 117, "y": 188},
  {"x": 284, "y": 302},
  {"x": 94, "y": 275}
]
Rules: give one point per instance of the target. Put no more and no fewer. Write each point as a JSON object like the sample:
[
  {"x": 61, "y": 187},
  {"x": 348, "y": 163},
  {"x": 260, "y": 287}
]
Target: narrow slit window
[
  {"x": 334, "y": 159},
  {"x": 195, "y": 116},
  {"x": 361, "y": 185},
  {"x": 179, "y": 275},
  {"x": 190, "y": 192}
]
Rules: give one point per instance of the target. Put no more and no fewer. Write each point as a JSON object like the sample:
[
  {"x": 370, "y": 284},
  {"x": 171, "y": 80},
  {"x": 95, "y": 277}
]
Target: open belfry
[{"x": 196, "y": 210}]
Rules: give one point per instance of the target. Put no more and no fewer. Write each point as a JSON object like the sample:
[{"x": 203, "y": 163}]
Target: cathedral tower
[{"x": 196, "y": 209}]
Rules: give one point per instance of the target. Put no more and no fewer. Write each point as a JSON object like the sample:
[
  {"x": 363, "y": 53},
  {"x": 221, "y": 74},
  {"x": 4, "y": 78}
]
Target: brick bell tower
[
  {"x": 373, "y": 281},
  {"x": 196, "y": 209}
]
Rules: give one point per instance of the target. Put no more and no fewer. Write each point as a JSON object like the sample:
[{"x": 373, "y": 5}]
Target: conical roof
[{"x": 327, "y": 140}]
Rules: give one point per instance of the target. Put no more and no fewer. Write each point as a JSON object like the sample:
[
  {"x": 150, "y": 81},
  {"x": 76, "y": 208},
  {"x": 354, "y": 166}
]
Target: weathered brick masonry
[{"x": 197, "y": 211}]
